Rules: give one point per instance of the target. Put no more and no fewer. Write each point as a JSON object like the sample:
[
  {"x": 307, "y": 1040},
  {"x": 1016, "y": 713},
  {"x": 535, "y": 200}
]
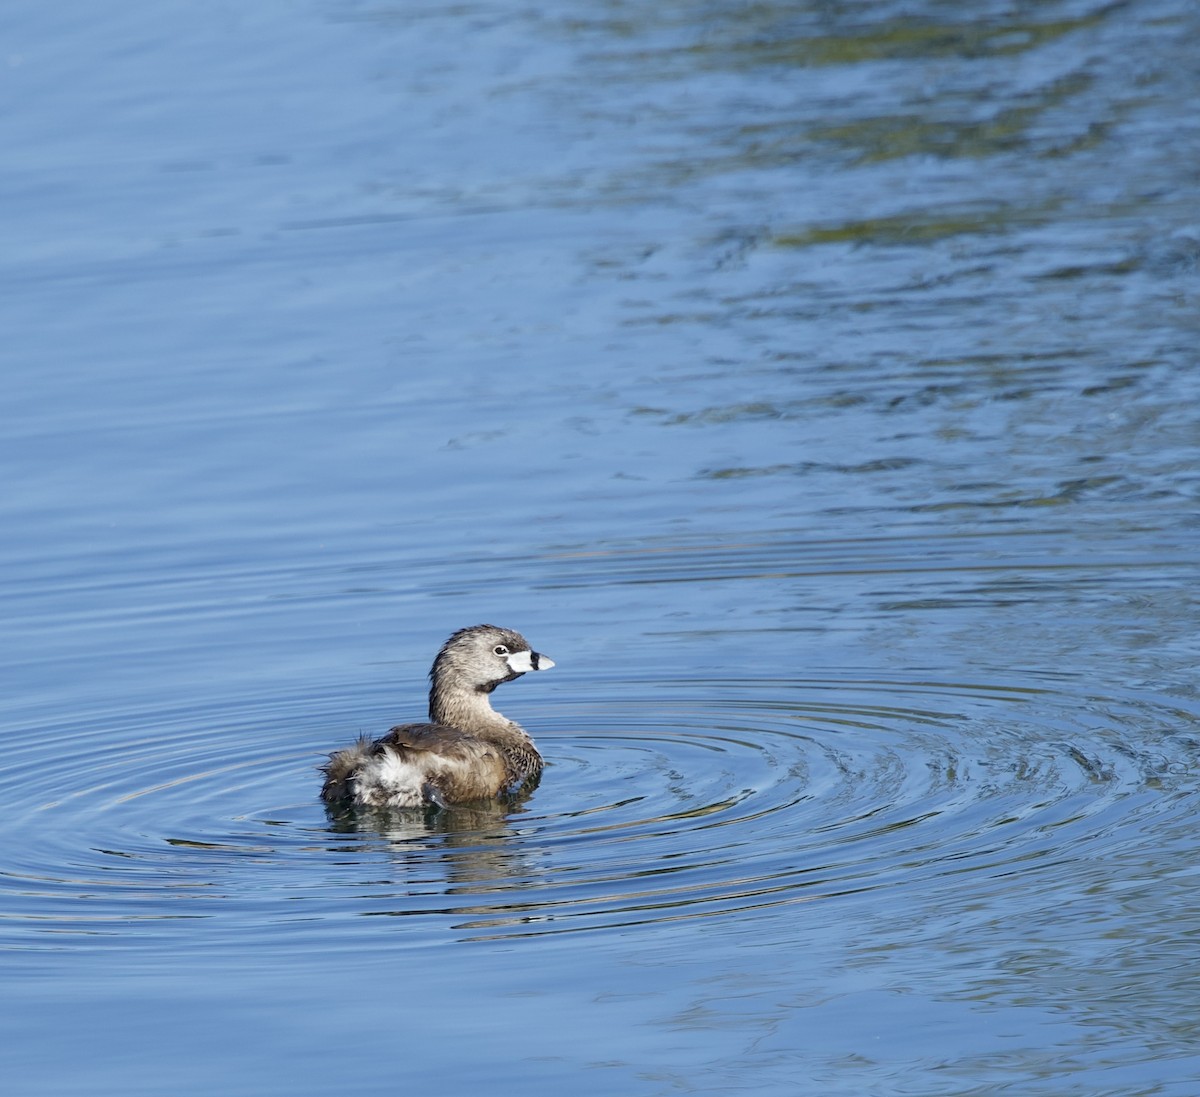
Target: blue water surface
[{"x": 816, "y": 383}]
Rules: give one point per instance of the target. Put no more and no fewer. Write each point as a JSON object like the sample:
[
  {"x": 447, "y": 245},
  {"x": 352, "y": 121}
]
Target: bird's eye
[{"x": 500, "y": 649}]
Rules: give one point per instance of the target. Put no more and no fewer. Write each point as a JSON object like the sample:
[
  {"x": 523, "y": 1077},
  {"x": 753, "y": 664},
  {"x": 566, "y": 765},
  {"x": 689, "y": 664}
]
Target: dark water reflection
[{"x": 816, "y": 382}]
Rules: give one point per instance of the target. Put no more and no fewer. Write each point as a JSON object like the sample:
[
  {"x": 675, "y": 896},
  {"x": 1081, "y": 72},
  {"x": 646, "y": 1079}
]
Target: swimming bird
[{"x": 467, "y": 752}]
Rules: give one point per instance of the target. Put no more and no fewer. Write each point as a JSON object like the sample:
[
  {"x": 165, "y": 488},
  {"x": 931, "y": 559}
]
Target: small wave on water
[{"x": 684, "y": 800}]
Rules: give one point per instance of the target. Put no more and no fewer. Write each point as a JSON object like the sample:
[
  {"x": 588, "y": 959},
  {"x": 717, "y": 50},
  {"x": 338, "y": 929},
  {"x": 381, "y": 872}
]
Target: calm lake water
[{"x": 816, "y": 383}]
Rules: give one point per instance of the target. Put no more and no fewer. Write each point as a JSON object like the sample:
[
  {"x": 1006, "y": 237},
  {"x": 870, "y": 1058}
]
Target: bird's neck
[{"x": 468, "y": 709}]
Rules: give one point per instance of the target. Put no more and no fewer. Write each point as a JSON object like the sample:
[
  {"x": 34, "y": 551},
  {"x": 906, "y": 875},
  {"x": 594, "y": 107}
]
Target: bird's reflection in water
[{"x": 464, "y": 849}]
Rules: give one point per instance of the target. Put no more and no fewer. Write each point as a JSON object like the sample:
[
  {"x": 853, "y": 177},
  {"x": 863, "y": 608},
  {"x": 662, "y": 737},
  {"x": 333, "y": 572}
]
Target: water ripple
[{"x": 685, "y": 800}]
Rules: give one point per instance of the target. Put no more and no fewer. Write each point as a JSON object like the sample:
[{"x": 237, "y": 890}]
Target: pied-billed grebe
[{"x": 467, "y": 751}]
